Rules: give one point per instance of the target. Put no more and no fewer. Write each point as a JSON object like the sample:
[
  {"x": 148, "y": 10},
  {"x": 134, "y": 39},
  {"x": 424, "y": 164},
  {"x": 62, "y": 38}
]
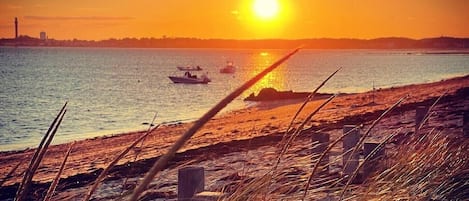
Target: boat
[
  {"x": 189, "y": 68},
  {"x": 229, "y": 68},
  {"x": 188, "y": 78},
  {"x": 271, "y": 94}
]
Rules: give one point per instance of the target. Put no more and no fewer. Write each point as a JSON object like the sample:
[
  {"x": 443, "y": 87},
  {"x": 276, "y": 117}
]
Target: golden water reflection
[{"x": 275, "y": 79}]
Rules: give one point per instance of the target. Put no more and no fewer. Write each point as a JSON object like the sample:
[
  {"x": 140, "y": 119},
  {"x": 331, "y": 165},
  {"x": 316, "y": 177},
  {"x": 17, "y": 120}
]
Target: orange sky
[{"x": 234, "y": 19}]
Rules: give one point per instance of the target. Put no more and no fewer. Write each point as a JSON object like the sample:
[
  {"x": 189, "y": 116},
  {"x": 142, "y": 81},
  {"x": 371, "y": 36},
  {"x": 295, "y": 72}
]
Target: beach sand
[{"x": 234, "y": 133}]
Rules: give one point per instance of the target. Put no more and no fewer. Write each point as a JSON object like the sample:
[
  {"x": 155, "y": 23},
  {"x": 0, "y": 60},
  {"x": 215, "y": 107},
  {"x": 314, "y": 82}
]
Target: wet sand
[{"x": 234, "y": 132}]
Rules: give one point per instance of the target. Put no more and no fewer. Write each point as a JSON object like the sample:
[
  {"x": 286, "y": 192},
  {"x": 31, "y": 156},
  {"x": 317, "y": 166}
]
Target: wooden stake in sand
[
  {"x": 349, "y": 143},
  {"x": 420, "y": 113},
  {"x": 191, "y": 180},
  {"x": 320, "y": 142},
  {"x": 370, "y": 165}
]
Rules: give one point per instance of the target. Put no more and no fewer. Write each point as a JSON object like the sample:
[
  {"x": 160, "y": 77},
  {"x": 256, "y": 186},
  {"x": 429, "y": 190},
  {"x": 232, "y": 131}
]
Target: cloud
[{"x": 90, "y": 18}]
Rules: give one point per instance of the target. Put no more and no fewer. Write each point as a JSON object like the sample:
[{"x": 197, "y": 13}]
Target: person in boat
[
  {"x": 189, "y": 75},
  {"x": 198, "y": 68}
]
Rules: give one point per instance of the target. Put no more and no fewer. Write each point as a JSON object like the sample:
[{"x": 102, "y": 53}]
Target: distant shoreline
[
  {"x": 449, "y": 52},
  {"x": 391, "y": 43}
]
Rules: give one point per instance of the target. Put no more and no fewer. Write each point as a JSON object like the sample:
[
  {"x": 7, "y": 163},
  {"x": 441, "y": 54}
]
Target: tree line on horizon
[{"x": 317, "y": 43}]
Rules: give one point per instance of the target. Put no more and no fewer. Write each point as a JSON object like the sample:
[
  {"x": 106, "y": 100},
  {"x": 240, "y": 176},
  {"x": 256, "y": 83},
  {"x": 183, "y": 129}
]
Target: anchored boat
[{"x": 189, "y": 78}]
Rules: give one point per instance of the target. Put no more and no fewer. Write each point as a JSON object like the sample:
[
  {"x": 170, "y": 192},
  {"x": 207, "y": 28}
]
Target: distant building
[
  {"x": 16, "y": 27},
  {"x": 43, "y": 35}
]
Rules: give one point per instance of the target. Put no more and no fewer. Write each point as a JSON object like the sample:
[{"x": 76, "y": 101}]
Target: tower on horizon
[
  {"x": 16, "y": 27},
  {"x": 43, "y": 35}
]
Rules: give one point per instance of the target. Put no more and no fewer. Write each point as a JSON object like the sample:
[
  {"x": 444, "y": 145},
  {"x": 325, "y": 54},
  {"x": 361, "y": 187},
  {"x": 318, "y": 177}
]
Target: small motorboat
[
  {"x": 189, "y": 68},
  {"x": 229, "y": 68},
  {"x": 188, "y": 78}
]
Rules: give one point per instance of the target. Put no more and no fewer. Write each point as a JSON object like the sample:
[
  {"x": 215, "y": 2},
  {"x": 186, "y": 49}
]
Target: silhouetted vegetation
[{"x": 321, "y": 43}]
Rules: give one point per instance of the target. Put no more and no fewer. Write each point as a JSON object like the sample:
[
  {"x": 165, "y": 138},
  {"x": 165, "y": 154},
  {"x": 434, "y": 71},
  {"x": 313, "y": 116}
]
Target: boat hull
[
  {"x": 228, "y": 70},
  {"x": 185, "y": 80}
]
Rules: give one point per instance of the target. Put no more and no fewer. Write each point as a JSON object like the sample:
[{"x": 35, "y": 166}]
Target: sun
[{"x": 266, "y": 9}]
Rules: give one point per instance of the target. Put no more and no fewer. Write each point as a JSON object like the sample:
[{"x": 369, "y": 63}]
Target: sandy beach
[{"x": 231, "y": 134}]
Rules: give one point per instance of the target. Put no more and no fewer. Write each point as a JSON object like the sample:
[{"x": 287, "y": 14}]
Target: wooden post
[
  {"x": 349, "y": 142},
  {"x": 190, "y": 182},
  {"x": 465, "y": 124},
  {"x": 370, "y": 165},
  {"x": 420, "y": 113},
  {"x": 320, "y": 142}
]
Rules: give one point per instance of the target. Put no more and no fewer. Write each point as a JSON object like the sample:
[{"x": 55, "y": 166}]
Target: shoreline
[
  {"x": 143, "y": 126},
  {"x": 308, "y": 43},
  {"x": 90, "y": 155}
]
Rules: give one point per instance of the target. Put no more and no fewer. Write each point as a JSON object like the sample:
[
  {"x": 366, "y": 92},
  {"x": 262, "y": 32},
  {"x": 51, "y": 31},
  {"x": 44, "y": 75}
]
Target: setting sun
[{"x": 266, "y": 9}]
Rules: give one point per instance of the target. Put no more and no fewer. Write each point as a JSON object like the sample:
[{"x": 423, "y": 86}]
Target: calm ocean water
[{"x": 112, "y": 91}]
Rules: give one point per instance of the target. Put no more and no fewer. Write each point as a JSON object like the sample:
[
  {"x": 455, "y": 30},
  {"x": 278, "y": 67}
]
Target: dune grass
[
  {"x": 162, "y": 162},
  {"x": 55, "y": 182},
  {"x": 424, "y": 166},
  {"x": 25, "y": 184},
  {"x": 114, "y": 162},
  {"x": 10, "y": 173}
]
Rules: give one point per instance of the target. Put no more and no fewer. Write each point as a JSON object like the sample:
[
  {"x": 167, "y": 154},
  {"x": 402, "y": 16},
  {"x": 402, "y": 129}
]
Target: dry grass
[
  {"x": 163, "y": 161},
  {"x": 54, "y": 183},
  {"x": 423, "y": 166},
  {"x": 25, "y": 184},
  {"x": 426, "y": 167}
]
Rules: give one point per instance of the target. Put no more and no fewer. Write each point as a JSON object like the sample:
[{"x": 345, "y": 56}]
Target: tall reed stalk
[
  {"x": 54, "y": 183},
  {"x": 300, "y": 128},
  {"x": 124, "y": 184},
  {"x": 432, "y": 166},
  {"x": 163, "y": 161},
  {"x": 307, "y": 100},
  {"x": 367, "y": 158},
  {"x": 23, "y": 188},
  {"x": 323, "y": 154},
  {"x": 362, "y": 140},
  {"x": 12, "y": 171},
  {"x": 387, "y": 139},
  {"x": 114, "y": 162}
]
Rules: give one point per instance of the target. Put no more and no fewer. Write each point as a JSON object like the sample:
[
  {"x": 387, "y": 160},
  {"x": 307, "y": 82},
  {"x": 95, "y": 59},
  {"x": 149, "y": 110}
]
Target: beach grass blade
[
  {"x": 54, "y": 183},
  {"x": 300, "y": 128},
  {"x": 373, "y": 152},
  {"x": 294, "y": 135},
  {"x": 323, "y": 154},
  {"x": 163, "y": 161},
  {"x": 124, "y": 184},
  {"x": 427, "y": 115},
  {"x": 309, "y": 98},
  {"x": 362, "y": 140},
  {"x": 23, "y": 189},
  {"x": 114, "y": 162},
  {"x": 7, "y": 176},
  {"x": 38, "y": 150}
]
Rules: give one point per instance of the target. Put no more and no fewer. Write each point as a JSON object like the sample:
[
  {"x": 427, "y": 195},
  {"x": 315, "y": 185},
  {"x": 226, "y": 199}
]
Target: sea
[{"x": 117, "y": 90}]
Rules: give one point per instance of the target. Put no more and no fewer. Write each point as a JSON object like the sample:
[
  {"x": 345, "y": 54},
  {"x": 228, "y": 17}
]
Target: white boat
[
  {"x": 189, "y": 68},
  {"x": 188, "y": 78},
  {"x": 229, "y": 68}
]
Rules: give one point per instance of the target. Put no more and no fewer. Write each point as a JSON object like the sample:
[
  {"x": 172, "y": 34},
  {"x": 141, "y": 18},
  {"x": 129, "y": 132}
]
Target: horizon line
[{"x": 253, "y": 39}]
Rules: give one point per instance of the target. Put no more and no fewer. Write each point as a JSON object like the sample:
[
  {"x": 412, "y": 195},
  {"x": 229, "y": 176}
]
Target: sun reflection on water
[{"x": 275, "y": 79}]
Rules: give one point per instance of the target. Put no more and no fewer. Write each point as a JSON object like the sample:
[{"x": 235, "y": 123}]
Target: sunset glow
[
  {"x": 235, "y": 19},
  {"x": 266, "y": 9}
]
